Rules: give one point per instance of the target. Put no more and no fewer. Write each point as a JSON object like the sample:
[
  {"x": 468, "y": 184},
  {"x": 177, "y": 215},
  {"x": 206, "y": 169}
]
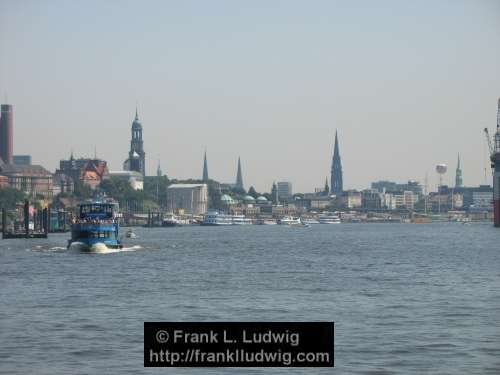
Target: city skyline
[{"x": 250, "y": 94}]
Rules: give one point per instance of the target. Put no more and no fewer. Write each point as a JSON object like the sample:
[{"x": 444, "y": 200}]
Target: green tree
[
  {"x": 252, "y": 192},
  {"x": 155, "y": 188},
  {"x": 82, "y": 190},
  {"x": 10, "y": 197}
]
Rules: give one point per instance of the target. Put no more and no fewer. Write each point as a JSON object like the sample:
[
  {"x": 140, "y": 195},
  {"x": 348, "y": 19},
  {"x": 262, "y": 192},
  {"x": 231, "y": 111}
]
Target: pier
[{"x": 37, "y": 227}]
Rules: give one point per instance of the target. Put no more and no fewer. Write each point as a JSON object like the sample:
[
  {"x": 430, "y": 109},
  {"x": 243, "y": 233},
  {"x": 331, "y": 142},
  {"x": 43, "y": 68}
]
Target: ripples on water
[{"x": 405, "y": 298}]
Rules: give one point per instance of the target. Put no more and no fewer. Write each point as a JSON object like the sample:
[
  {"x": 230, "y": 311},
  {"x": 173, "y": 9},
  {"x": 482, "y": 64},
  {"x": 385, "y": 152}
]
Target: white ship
[
  {"x": 329, "y": 218},
  {"x": 217, "y": 218},
  {"x": 289, "y": 220},
  {"x": 241, "y": 220},
  {"x": 268, "y": 222},
  {"x": 310, "y": 221}
]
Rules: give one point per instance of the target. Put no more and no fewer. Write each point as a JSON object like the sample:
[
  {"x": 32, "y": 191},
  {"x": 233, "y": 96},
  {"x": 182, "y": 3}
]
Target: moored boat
[
  {"x": 241, "y": 220},
  {"x": 289, "y": 220},
  {"x": 215, "y": 218},
  {"x": 329, "y": 218}
]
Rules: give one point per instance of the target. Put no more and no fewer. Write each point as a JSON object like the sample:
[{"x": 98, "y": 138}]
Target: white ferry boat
[
  {"x": 268, "y": 222},
  {"x": 241, "y": 220},
  {"x": 310, "y": 221},
  {"x": 329, "y": 218},
  {"x": 289, "y": 220},
  {"x": 217, "y": 218}
]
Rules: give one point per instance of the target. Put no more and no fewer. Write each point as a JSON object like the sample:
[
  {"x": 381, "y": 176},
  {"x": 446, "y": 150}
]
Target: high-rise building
[
  {"x": 22, "y": 159},
  {"x": 284, "y": 189},
  {"x": 239, "y": 177},
  {"x": 6, "y": 133},
  {"x": 337, "y": 185},
  {"x": 458, "y": 174},
  {"x": 205, "y": 168},
  {"x": 136, "y": 157}
]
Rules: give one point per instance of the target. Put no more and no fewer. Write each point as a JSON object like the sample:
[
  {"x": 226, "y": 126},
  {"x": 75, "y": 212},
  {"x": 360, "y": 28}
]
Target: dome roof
[
  {"x": 249, "y": 198},
  {"x": 261, "y": 199},
  {"x": 226, "y": 198}
]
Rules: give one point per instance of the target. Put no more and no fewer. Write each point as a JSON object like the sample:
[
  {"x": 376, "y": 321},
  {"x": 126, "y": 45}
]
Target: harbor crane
[
  {"x": 490, "y": 145},
  {"x": 494, "y": 146}
]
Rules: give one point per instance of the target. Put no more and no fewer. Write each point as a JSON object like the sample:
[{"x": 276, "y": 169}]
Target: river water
[{"x": 406, "y": 299}]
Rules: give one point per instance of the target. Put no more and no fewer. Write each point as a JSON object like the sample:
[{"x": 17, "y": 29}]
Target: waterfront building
[
  {"x": 458, "y": 175},
  {"x": 336, "y": 178},
  {"x": 62, "y": 183},
  {"x": 21, "y": 159},
  {"x": 248, "y": 210},
  {"x": 371, "y": 199},
  {"x": 86, "y": 170},
  {"x": 4, "y": 181},
  {"x": 205, "y": 168},
  {"x": 286, "y": 210},
  {"x": 384, "y": 186},
  {"x": 192, "y": 198},
  {"x": 6, "y": 134},
  {"x": 239, "y": 177},
  {"x": 135, "y": 179},
  {"x": 446, "y": 199},
  {"x": 284, "y": 190},
  {"x": 405, "y": 200},
  {"x": 480, "y": 196},
  {"x": 136, "y": 157},
  {"x": 482, "y": 199},
  {"x": 313, "y": 201},
  {"x": 350, "y": 199},
  {"x": 33, "y": 180},
  {"x": 388, "y": 201}
]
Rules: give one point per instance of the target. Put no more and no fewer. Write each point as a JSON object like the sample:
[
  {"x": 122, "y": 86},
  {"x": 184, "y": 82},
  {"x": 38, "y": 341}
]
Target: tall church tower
[
  {"x": 239, "y": 176},
  {"x": 136, "y": 156},
  {"x": 336, "y": 183},
  {"x": 458, "y": 174},
  {"x": 205, "y": 168}
]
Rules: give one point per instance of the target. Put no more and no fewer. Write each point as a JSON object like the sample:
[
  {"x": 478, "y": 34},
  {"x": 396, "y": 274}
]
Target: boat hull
[{"x": 97, "y": 247}]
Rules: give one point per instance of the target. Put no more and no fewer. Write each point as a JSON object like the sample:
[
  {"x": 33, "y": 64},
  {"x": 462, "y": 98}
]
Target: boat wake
[
  {"x": 122, "y": 250},
  {"x": 100, "y": 248}
]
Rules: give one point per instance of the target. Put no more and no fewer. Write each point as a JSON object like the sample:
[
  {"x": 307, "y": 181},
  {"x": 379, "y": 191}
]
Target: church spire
[
  {"x": 336, "y": 181},
  {"x": 239, "y": 176},
  {"x": 136, "y": 114},
  {"x": 205, "y": 168},
  {"x": 458, "y": 174},
  {"x": 158, "y": 170}
]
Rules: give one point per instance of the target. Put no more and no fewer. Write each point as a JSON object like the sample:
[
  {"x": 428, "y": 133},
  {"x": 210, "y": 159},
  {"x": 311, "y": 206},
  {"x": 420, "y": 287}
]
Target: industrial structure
[
  {"x": 495, "y": 166},
  {"x": 336, "y": 182},
  {"x": 6, "y": 134}
]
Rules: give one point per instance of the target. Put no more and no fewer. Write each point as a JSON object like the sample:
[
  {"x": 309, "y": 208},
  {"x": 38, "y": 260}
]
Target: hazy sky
[{"x": 408, "y": 84}]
